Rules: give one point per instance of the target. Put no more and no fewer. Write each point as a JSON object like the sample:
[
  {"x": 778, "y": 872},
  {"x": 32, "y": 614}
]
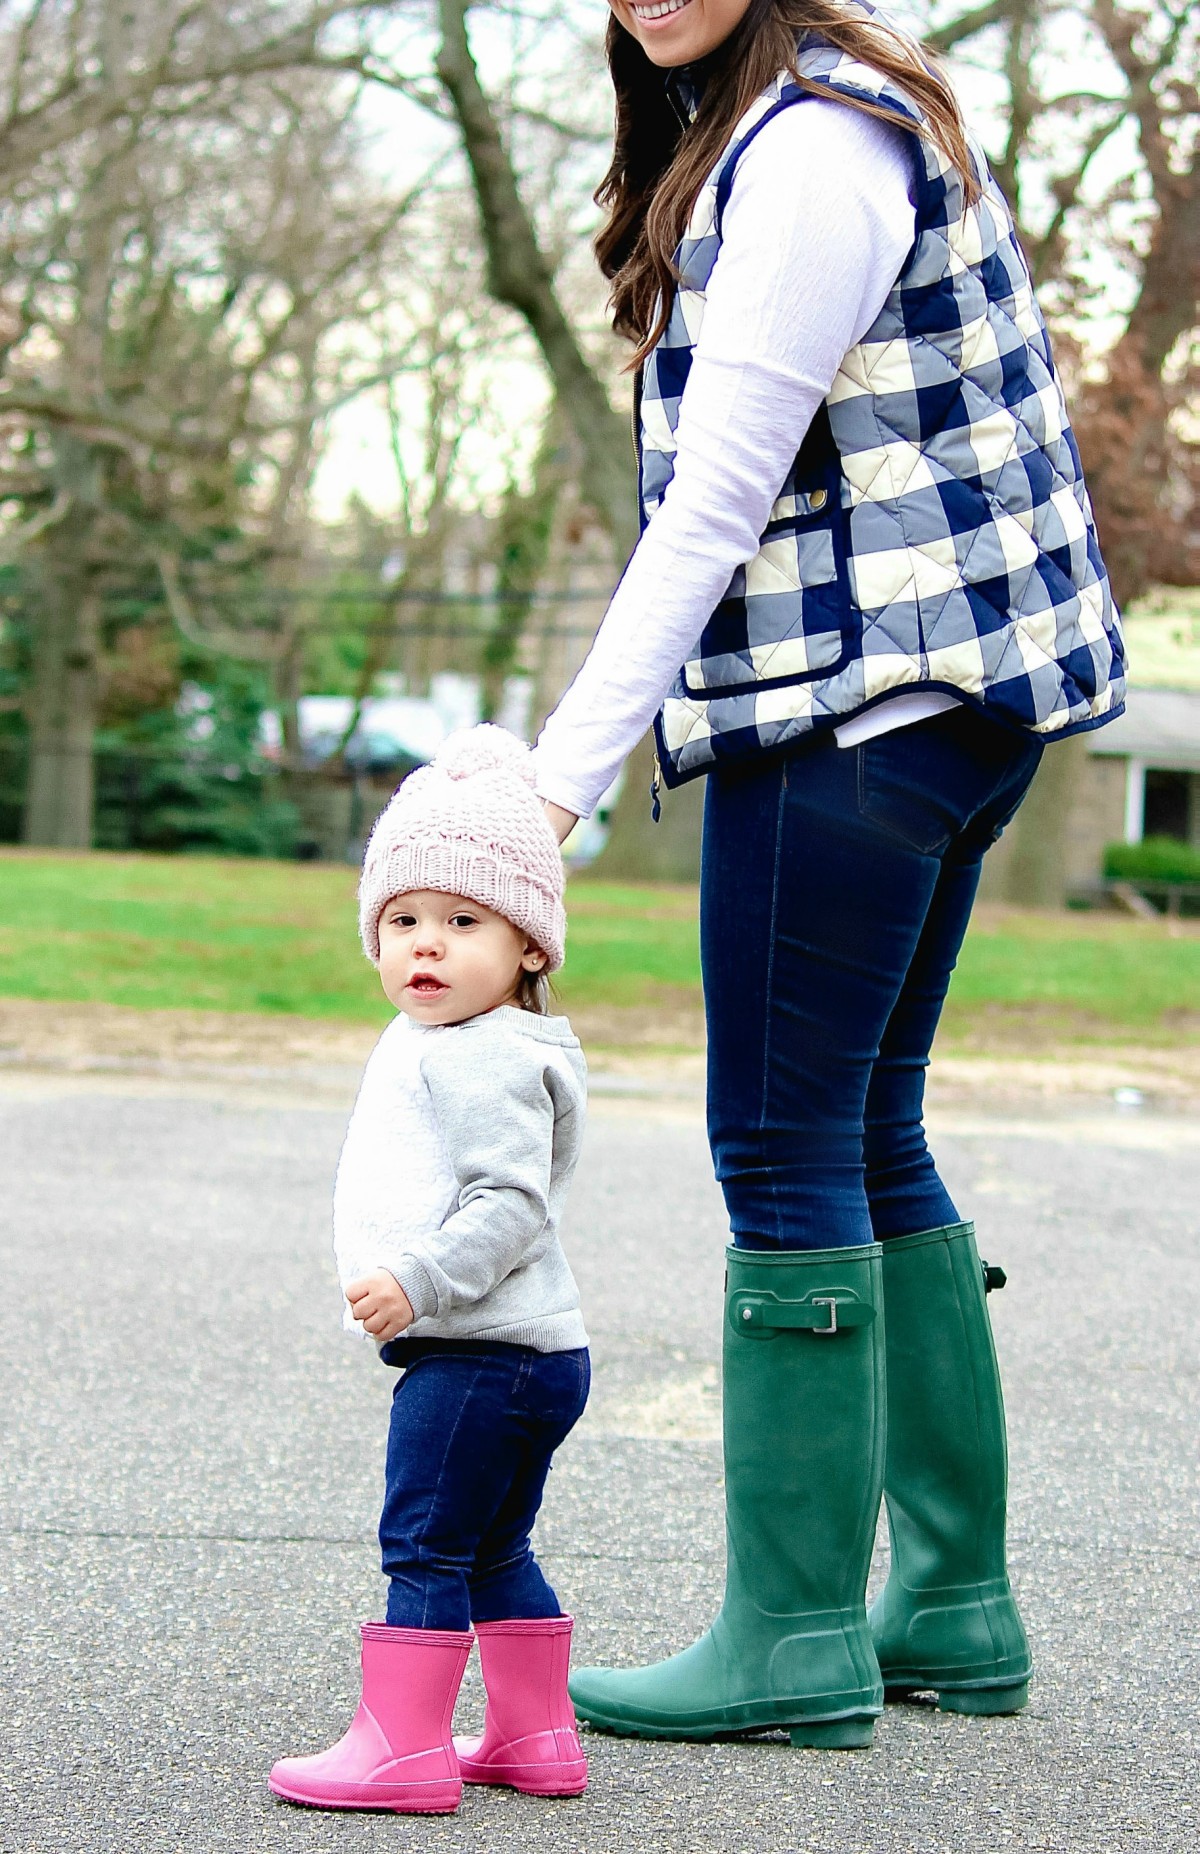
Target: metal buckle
[{"x": 823, "y": 1332}]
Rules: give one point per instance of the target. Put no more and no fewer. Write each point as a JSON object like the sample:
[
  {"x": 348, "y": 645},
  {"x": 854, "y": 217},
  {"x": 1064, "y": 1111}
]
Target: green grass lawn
[{"x": 204, "y": 934}]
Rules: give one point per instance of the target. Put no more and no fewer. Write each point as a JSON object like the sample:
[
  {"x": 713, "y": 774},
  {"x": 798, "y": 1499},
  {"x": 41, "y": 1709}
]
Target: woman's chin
[
  {"x": 669, "y": 50},
  {"x": 683, "y": 37}
]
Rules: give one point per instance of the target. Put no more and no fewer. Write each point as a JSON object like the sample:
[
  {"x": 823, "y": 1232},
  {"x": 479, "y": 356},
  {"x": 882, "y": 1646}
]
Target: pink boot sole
[
  {"x": 392, "y": 1798},
  {"x": 561, "y": 1778}
]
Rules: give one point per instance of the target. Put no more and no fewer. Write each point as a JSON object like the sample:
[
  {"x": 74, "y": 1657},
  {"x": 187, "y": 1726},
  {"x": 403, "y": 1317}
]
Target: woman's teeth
[{"x": 659, "y": 12}]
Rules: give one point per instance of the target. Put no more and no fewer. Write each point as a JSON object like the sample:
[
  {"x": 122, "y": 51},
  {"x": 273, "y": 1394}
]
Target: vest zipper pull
[{"x": 655, "y": 782}]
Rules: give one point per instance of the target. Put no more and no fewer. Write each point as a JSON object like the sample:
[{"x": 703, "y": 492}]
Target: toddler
[{"x": 446, "y": 1209}]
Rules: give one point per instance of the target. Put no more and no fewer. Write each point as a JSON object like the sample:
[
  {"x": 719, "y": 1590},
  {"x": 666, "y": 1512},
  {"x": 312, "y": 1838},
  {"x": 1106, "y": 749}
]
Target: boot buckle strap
[
  {"x": 823, "y": 1332},
  {"x": 761, "y": 1314}
]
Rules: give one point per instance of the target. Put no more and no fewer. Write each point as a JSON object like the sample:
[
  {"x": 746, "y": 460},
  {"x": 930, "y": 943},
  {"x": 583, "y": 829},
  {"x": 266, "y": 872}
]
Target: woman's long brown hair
[{"x": 659, "y": 165}]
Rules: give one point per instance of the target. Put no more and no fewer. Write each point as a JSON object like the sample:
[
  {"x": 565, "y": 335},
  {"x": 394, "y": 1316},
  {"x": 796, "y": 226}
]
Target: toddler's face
[{"x": 443, "y": 959}]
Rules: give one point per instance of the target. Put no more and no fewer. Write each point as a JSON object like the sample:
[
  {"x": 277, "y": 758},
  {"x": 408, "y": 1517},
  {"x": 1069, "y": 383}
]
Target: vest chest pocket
[{"x": 787, "y": 615}]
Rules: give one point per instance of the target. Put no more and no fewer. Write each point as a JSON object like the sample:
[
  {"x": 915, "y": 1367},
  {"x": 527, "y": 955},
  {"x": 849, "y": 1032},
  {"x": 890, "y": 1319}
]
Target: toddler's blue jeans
[
  {"x": 473, "y": 1428},
  {"x": 836, "y": 888}
]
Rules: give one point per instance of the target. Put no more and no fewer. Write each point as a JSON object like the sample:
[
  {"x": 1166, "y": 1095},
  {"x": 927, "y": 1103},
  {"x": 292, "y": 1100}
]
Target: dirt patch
[
  {"x": 674, "y": 1023},
  {"x": 1130, "y": 1076},
  {"x": 1041, "y": 1028},
  {"x": 638, "y": 1052},
  {"x": 68, "y": 1035},
  {"x": 65, "y": 1034}
]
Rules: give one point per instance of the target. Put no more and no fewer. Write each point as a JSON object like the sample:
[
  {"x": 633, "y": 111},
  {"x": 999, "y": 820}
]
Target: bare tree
[
  {"x": 181, "y": 355},
  {"x": 178, "y": 283},
  {"x": 525, "y": 532},
  {"x": 1100, "y": 120},
  {"x": 71, "y": 68},
  {"x": 521, "y": 273},
  {"x": 1100, "y": 218},
  {"x": 437, "y": 402},
  {"x": 1099, "y": 124}
]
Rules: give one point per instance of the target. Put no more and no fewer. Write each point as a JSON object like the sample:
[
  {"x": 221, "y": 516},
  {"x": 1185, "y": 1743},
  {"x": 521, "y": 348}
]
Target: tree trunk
[
  {"x": 1037, "y": 870},
  {"x": 638, "y": 849},
  {"x": 526, "y": 528},
  {"x": 520, "y": 275},
  {"x": 61, "y": 709}
]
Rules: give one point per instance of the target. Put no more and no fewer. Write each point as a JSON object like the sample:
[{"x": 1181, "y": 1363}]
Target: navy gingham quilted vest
[{"x": 934, "y": 531}]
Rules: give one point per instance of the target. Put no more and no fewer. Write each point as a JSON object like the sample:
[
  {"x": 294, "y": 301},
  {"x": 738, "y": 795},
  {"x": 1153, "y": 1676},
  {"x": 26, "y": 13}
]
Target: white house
[
  {"x": 1140, "y": 774},
  {"x": 1156, "y": 744}
]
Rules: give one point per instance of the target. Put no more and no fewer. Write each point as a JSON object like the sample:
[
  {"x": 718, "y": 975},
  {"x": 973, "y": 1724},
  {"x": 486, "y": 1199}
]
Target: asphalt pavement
[{"x": 190, "y": 1462}]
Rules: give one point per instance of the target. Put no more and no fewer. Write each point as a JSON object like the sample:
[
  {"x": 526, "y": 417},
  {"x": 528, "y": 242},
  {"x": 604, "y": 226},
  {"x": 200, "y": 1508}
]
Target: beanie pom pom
[{"x": 482, "y": 749}]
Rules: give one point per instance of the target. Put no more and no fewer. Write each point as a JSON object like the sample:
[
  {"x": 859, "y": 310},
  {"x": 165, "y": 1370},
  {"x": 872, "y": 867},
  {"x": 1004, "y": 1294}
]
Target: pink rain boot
[
  {"x": 398, "y": 1753},
  {"x": 529, "y": 1738}
]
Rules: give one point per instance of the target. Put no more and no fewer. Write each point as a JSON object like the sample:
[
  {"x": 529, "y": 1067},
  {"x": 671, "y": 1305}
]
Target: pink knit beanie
[{"x": 470, "y": 824}]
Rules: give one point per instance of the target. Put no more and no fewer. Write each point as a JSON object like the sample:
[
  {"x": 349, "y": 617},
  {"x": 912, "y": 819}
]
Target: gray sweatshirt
[{"x": 454, "y": 1172}]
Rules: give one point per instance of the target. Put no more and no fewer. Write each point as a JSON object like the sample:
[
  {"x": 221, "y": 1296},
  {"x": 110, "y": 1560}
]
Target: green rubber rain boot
[
  {"x": 946, "y": 1621},
  {"x": 804, "y": 1440}
]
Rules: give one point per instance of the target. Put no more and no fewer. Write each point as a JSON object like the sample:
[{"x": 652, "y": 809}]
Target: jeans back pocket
[{"x": 899, "y": 791}]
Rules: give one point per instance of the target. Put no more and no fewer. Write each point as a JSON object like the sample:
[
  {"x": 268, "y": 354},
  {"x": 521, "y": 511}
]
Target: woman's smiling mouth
[{"x": 662, "y": 9}]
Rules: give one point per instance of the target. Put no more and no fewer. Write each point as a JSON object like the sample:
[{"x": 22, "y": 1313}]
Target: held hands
[{"x": 380, "y": 1304}]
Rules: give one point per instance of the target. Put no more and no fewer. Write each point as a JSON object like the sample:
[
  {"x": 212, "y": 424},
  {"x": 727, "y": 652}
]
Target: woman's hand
[
  {"x": 380, "y": 1304},
  {"x": 562, "y": 822}
]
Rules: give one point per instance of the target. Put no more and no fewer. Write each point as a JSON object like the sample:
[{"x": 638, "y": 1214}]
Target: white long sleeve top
[{"x": 816, "y": 230}]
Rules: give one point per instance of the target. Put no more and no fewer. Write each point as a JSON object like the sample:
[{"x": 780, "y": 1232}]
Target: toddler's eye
[
  {"x": 404, "y": 920},
  {"x": 463, "y": 920}
]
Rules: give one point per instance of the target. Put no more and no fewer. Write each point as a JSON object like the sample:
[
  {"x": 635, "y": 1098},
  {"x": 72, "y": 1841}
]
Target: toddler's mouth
[{"x": 425, "y": 985}]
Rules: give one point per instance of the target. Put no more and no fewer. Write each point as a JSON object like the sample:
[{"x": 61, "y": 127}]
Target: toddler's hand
[{"x": 381, "y": 1304}]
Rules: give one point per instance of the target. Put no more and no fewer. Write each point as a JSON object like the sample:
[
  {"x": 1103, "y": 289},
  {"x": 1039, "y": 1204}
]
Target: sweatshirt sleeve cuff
[{"x": 412, "y": 1275}]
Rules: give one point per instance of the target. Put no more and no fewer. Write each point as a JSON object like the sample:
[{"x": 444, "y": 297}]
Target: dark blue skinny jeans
[
  {"x": 836, "y": 887},
  {"x": 473, "y": 1429}
]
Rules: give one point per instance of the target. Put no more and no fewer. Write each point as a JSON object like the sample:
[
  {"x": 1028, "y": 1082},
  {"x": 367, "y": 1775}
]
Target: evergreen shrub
[{"x": 1155, "y": 859}]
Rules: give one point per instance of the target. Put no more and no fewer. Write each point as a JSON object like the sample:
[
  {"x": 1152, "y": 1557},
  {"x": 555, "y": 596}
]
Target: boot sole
[
  {"x": 977, "y": 1702},
  {"x": 413, "y": 1799},
  {"x": 834, "y": 1735},
  {"x": 854, "y": 1734},
  {"x": 529, "y": 1786}
]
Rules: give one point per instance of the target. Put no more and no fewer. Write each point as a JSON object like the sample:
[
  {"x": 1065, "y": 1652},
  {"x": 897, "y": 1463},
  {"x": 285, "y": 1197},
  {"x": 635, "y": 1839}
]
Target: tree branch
[
  {"x": 519, "y": 276},
  {"x": 945, "y": 38},
  {"x": 1045, "y": 251},
  {"x": 221, "y": 639},
  {"x": 19, "y": 537},
  {"x": 120, "y": 431},
  {"x": 1169, "y": 300},
  {"x": 81, "y": 105}
]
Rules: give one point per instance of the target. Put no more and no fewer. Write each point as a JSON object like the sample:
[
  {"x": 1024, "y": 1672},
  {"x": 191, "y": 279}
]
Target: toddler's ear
[{"x": 533, "y": 958}]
